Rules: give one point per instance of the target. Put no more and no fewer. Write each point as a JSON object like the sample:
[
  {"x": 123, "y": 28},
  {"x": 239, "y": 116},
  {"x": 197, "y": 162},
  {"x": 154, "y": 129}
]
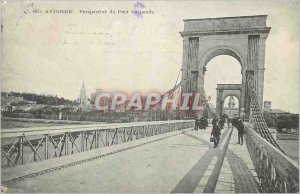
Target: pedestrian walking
[
  {"x": 204, "y": 122},
  {"x": 215, "y": 133},
  {"x": 234, "y": 122},
  {"x": 228, "y": 122},
  {"x": 214, "y": 121},
  {"x": 222, "y": 121},
  {"x": 240, "y": 128},
  {"x": 196, "y": 124}
]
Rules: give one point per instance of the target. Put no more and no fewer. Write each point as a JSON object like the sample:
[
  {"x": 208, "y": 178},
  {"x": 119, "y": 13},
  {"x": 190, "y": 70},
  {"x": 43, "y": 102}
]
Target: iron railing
[
  {"x": 276, "y": 172},
  {"x": 23, "y": 146}
]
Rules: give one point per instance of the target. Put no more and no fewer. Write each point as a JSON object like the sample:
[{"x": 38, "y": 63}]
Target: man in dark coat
[
  {"x": 234, "y": 122},
  {"x": 222, "y": 121},
  {"x": 205, "y": 122},
  {"x": 216, "y": 132},
  {"x": 202, "y": 123},
  {"x": 196, "y": 123},
  {"x": 228, "y": 122},
  {"x": 240, "y": 128},
  {"x": 214, "y": 121}
]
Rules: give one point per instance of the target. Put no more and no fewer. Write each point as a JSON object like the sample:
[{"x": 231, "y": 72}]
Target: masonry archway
[
  {"x": 240, "y": 37},
  {"x": 225, "y": 90}
]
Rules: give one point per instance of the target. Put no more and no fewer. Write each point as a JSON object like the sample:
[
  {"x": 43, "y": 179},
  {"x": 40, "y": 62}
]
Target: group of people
[
  {"x": 201, "y": 123},
  {"x": 218, "y": 124}
]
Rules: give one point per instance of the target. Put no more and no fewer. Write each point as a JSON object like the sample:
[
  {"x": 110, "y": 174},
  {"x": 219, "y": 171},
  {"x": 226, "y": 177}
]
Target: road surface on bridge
[{"x": 186, "y": 162}]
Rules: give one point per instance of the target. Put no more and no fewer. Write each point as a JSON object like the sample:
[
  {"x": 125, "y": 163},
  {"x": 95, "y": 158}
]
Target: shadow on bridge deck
[
  {"x": 190, "y": 182},
  {"x": 238, "y": 174},
  {"x": 229, "y": 169}
]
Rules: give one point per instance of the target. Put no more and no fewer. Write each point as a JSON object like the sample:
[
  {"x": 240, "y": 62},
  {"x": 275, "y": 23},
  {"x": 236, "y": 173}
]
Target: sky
[
  {"x": 231, "y": 74},
  {"x": 54, "y": 53}
]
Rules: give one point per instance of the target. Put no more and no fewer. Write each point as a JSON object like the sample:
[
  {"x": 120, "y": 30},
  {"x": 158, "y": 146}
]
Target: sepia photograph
[{"x": 150, "y": 96}]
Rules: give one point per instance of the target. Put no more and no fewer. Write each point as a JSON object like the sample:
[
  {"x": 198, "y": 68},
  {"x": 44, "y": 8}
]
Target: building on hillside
[
  {"x": 231, "y": 103},
  {"x": 267, "y": 106},
  {"x": 231, "y": 110},
  {"x": 7, "y": 99},
  {"x": 83, "y": 100},
  {"x": 278, "y": 112},
  {"x": 9, "y": 103}
]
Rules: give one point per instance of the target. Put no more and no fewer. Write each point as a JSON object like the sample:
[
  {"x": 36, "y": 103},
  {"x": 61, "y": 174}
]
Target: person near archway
[
  {"x": 234, "y": 122},
  {"x": 240, "y": 128},
  {"x": 222, "y": 121},
  {"x": 216, "y": 132},
  {"x": 200, "y": 123},
  {"x": 228, "y": 122},
  {"x": 196, "y": 123},
  {"x": 205, "y": 122},
  {"x": 214, "y": 121}
]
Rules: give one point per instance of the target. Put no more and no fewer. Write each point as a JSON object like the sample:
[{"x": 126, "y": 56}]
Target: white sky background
[
  {"x": 52, "y": 54},
  {"x": 222, "y": 69}
]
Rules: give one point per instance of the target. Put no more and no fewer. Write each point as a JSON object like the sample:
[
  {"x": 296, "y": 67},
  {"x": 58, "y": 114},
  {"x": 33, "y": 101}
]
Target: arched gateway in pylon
[
  {"x": 225, "y": 90},
  {"x": 241, "y": 37}
]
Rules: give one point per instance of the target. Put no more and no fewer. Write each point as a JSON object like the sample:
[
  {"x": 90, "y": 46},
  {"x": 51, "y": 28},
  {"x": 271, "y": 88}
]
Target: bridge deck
[
  {"x": 184, "y": 162},
  {"x": 238, "y": 174}
]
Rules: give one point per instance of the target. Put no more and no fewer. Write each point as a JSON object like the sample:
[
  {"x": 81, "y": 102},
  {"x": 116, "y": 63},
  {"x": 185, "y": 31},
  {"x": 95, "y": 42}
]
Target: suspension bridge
[{"x": 164, "y": 156}]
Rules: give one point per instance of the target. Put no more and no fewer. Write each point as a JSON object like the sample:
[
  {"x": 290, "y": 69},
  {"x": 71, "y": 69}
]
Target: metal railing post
[
  {"x": 21, "y": 150},
  {"x": 82, "y": 141},
  {"x": 66, "y": 144},
  {"x": 46, "y": 146}
]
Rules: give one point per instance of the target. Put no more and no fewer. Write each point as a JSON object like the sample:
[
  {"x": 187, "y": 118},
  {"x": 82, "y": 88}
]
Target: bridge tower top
[
  {"x": 226, "y": 25},
  {"x": 242, "y": 37}
]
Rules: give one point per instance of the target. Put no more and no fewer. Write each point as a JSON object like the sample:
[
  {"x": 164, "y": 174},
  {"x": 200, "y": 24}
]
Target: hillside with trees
[
  {"x": 42, "y": 99},
  {"x": 283, "y": 121}
]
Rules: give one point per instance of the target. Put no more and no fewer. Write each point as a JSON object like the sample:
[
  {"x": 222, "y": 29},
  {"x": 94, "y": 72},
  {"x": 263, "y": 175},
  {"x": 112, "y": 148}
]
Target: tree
[
  {"x": 294, "y": 121},
  {"x": 270, "y": 119},
  {"x": 283, "y": 121}
]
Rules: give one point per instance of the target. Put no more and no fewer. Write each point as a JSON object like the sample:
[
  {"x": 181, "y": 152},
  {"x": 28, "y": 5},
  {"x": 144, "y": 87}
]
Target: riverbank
[{"x": 8, "y": 123}]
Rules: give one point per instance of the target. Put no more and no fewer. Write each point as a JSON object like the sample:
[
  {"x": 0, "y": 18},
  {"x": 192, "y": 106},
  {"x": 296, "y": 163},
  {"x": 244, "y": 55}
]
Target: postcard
[{"x": 150, "y": 96}]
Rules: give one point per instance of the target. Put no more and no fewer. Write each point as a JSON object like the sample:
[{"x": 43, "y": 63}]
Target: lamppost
[{"x": 206, "y": 106}]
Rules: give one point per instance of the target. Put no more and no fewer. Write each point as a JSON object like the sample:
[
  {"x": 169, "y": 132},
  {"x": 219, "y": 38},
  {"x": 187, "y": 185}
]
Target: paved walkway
[
  {"x": 238, "y": 174},
  {"x": 182, "y": 163}
]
